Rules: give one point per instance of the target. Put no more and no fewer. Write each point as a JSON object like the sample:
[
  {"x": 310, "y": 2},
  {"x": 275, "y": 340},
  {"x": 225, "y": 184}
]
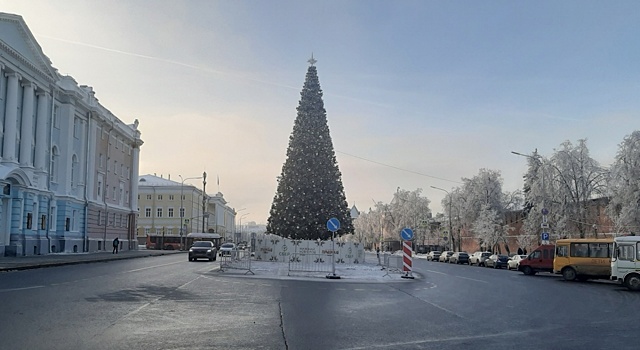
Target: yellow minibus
[{"x": 583, "y": 258}]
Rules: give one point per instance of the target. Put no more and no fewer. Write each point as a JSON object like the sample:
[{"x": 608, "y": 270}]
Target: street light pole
[
  {"x": 243, "y": 215},
  {"x": 204, "y": 199},
  {"x": 450, "y": 226},
  {"x": 182, "y": 243},
  {"x": 544, "y": 210}
]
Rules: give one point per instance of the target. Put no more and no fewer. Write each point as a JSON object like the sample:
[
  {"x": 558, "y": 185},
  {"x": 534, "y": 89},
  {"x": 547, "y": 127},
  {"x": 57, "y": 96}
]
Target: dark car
[
  {"x": 202, "y": 249},
  {"x": 459, "y": 258},
  {"x": 497, "y": 261}
]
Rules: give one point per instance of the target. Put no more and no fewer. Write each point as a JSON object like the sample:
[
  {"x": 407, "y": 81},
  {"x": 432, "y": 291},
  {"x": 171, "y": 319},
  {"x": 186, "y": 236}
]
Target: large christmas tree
[{"x": 310, "y": 190}]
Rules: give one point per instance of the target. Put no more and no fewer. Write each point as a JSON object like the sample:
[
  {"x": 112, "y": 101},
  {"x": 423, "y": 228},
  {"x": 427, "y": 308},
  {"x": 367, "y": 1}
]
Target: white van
[{"x": 625, "y": 262}]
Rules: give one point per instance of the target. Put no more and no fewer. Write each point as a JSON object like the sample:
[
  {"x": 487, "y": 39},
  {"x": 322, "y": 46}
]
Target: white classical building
[{"x": 66, "y": 162}]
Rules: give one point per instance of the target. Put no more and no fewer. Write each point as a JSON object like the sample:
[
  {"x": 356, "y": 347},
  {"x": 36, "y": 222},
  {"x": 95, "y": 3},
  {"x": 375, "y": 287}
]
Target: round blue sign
[
  {"x": 406, "y": 234},
  {"x": 333, "y": 224}
]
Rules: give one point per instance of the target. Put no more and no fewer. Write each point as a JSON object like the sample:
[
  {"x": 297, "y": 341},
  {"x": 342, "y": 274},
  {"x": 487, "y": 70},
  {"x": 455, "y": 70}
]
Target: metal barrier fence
[
  {"x": 392, "y": 263},
  {"x": 236, "y": 259},
  {"x": 310, "y": 263}
]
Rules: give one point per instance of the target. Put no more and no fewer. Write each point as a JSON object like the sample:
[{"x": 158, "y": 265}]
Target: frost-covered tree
[
  {"x": 624, "y": 185},
  {"x": 408, "y": 209},
  {"x": 482, "y": 198},
  {"x": 310, "y": 189},
  {"x": 367, "y": 228},
  {"x": 489, "y": 228},
  {"x": 576, "y": 179}
]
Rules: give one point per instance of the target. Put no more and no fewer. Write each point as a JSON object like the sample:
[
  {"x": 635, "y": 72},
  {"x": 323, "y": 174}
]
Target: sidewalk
[{"x": 38, "y": 261}]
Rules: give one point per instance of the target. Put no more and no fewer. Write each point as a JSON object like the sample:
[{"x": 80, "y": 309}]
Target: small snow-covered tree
[{"x": 624, "y": 185}]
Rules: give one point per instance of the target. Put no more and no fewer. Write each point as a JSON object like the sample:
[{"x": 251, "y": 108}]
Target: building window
[
  {"x": 29, "y": 221},
  {"x": 76, "y": 127},
  {"x": 43, "y": 222},
  {"x": 159, "y": 197},
  {"x": 74, "y": 170},
  {"x": 170, "y": 212},
  {"x": 53, "y": 167},
  {"x": 171, "y": 197},
  {"x": 101, "y": 161},
  {"x": 56, "y": 117},
  {"x": 147, "y": 212},
  {"x": 99, "y": 190},
  {"x": 159, "y": 213},
  {"x": 181, "y": 212},
  {"x": 99, "y": 217},
  {"x": 148, "y": 197}
]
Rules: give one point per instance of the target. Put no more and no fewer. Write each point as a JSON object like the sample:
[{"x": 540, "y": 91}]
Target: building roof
[{"x": 152, "y": 180}]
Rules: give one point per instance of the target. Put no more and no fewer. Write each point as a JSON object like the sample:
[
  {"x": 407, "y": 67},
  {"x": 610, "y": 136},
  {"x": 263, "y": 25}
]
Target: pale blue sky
[{"x": 441, "y": 88}]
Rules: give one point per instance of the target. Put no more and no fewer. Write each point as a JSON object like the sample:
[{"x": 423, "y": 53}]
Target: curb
[{"x": 35, "y": 265}]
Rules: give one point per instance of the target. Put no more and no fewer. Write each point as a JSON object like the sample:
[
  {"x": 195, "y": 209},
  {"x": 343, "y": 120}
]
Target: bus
[
  {"x": 202, "y": 236},
  {"x": 158, "y": 242},
  {"x": 625, "y": 263},
  {"x": 583, "y": 258}
]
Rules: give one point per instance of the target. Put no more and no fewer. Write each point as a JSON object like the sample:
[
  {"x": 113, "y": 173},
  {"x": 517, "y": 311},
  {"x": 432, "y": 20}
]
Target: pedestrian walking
[{"x": 116, "y": 245}]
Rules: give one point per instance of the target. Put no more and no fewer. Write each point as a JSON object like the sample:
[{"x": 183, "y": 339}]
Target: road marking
[
  {"x": 442, "y": 340},
  {"x": 472, "y": 279},
  {"x": 438, "y": 272},
  {"x": 16, "y": 289},
  {"x": 152, "y": 267}
]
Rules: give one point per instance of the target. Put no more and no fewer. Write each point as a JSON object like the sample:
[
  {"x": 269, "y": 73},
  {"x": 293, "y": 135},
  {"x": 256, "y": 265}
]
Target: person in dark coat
[{"x": 116, "y": 245}]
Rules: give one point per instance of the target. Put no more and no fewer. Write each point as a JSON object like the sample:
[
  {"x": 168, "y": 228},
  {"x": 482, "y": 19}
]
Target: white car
[
  {"x": 514, "y": 261},
  {"x": 227, "y": 249}
]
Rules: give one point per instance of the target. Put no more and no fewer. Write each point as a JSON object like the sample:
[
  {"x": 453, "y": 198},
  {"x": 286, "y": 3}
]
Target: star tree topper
[{"x": 312, "y": 61}]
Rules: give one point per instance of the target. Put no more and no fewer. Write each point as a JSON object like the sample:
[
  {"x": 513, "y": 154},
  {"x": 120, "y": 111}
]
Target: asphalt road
[{"x": 167, "y": 302}]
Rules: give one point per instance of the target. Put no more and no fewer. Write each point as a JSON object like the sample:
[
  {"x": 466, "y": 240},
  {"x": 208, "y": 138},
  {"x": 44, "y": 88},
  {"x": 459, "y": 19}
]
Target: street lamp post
[
  {"x": 450, "y": 226},
  {"x": 182, "y": 243},
  {"x": 204, "y": 199},
  {"x": 243, "y": 215},
  {"x": 544, "y": 211}
]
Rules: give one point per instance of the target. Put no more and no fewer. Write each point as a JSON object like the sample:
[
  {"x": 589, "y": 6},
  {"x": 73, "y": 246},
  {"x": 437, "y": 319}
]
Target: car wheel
[
  {"x": 527, "y": 270},
  {"x": 569, "y": 274}
]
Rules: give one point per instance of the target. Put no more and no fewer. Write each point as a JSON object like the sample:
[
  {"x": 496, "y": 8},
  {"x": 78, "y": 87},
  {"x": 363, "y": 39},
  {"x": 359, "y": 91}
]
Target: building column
[
  {"x": 11, "y": 118},
  {"x": 26, "y": 137},
  {"x": 42, "y": 139}
]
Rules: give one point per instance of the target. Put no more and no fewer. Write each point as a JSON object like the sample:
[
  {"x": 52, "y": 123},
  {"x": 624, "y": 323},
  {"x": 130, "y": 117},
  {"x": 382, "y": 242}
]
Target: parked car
[
  {"x": 478, "y": 258},
  {"x": 202, "y": 249},
  {"x": 514, "y": 261},
  {"x": 540, "y": 260},
  {"x": 444, "y": 257},
  {"x": 433, "y": 255},
  {"x": 227, "y": 249},
  {"x": 459, "y": 258},
  {"x": 497, "y": 261}
]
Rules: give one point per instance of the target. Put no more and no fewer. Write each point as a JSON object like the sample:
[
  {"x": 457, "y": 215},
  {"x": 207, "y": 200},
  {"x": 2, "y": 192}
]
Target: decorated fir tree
[{"x": 310, "y": 190}]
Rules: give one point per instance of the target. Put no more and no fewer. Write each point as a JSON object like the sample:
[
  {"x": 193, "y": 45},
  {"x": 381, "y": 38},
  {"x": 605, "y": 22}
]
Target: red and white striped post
[{"x": 407, "y": 259}]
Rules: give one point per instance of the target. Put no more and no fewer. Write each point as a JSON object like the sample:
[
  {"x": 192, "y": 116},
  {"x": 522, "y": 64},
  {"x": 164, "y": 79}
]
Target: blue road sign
[
  {"x": 333, "y": 224},
  {"x": 406, "y": 234},
  {"x": 545, "y": 236}
]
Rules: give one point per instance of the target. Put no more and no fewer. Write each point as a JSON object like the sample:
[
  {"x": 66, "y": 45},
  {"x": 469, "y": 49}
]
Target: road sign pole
[
  {"x": 333, "y": 225},
  {"x": 407, "y": 260}
]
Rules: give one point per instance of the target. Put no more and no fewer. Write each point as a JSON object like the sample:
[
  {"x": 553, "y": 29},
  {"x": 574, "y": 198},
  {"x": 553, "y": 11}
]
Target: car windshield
[
  {"x": 227, "y": 245},
  {"x": 202, "y": 244}
]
